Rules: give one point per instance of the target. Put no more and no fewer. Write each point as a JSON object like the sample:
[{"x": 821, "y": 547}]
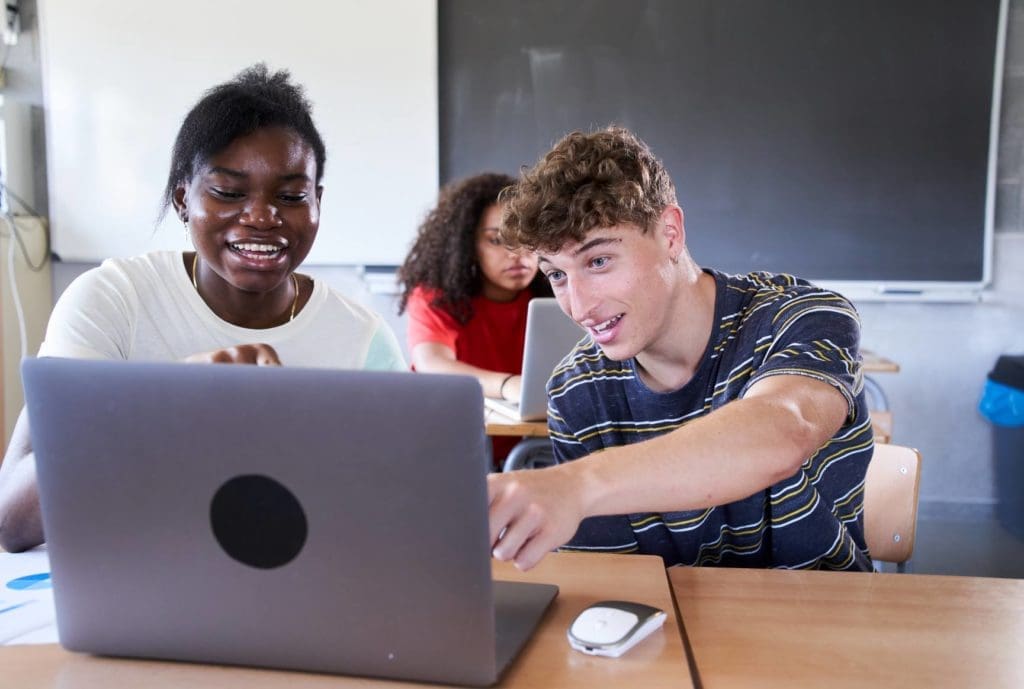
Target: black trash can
[{"x": 1003, "y": 404}]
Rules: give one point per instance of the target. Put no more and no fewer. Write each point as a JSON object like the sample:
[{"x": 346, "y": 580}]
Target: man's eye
[
  {"x": 555, "y": 276},
  {"x": 599, "y": 262}
]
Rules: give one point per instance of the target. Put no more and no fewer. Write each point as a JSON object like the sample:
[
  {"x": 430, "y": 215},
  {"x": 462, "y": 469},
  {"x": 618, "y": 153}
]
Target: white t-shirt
[{"x": 145, "y": 308}]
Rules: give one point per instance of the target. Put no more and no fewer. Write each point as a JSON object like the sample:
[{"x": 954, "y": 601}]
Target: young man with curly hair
[{"x": 710, "y": 419}]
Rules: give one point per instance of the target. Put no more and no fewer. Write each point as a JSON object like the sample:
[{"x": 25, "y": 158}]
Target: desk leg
[{"x": 489, "y": 454}]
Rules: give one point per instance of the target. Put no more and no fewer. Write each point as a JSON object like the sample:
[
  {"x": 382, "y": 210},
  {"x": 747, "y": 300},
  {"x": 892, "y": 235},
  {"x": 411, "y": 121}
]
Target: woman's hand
[{"x": 257, "y": 354}]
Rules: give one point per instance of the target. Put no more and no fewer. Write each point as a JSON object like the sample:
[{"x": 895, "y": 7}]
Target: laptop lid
[
  {"x": 550, "y": 336},
  {"x": 306, "y": 519}
]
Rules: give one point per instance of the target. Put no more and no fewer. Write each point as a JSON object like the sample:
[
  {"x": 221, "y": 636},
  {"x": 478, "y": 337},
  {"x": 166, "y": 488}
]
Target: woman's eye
[
  {"x": 226, "y": 193},
  {"x": 293, "y": 198},
  {"x": 494, "y": 241}
]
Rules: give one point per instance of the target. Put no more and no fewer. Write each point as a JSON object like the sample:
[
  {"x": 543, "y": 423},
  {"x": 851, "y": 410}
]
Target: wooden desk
[
  {"x": 875, "y": 363},
  {"x": 881, "y": 424},
  {"x": 532, "y": 451},
  {"x": 499, "y": 424},
  {"x": 881, "y": 417},
  {"x": 774, "y": 628},
  {"x": 547, "y": 660}
]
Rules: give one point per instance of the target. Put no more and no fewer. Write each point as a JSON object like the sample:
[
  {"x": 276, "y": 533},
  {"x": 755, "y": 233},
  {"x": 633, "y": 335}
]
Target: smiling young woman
[
  {"x": 252, "y": 212},
  {"x": 245, "y": 180}
]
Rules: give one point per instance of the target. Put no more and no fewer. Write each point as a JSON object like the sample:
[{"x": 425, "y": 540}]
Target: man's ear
[
  {"x": 178, "y": 201},
  {"x": 673, "y": 230}
]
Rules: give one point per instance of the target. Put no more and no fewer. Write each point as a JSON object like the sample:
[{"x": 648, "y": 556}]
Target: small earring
[{"x": 184, "y": 221}]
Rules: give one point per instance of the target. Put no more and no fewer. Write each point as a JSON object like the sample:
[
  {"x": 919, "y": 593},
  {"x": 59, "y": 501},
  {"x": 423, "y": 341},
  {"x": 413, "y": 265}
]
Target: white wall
[
  {"x": 120, "y": 75},
  {"x": 945, "y": 352}
]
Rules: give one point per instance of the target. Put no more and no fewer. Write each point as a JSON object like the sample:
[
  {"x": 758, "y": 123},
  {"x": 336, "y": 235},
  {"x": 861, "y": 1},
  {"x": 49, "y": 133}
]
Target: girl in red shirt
[{"x": 467, "y": 294}]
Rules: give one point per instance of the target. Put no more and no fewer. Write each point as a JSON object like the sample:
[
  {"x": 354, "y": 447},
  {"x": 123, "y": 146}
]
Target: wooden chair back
[{"x": 890, "y": 502}]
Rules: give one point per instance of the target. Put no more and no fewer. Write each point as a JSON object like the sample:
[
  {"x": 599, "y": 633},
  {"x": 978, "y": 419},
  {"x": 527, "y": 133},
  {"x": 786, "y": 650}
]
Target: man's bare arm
[{"x": 730, "y": 454}]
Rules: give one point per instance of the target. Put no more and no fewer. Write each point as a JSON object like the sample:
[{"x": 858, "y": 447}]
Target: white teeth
[
  {"x": 257, "y": 248},
  {"x": 610, "y": 323}
]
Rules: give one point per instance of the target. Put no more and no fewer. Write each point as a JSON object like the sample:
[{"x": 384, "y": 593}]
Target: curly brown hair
[
  {"x": 443, "y": 257},
  {"x": 600, "y": 179}
]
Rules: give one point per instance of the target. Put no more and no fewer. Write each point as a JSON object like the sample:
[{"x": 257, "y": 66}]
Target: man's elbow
[{"x": 801, "y": 436}]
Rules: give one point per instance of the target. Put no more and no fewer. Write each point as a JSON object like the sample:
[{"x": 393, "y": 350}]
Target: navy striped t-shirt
[{"x": 765, "y": 325}]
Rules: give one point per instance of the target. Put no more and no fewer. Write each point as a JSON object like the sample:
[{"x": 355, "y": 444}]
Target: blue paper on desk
[{"x": 26, "y": 599}]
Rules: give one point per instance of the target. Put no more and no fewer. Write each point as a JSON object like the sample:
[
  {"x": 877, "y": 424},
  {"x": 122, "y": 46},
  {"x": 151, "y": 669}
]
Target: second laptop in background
[{"x": 550, "y": 335}]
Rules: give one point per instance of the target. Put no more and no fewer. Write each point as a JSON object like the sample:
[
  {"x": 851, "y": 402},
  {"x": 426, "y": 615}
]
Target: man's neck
[{"x": 671, "y": 362}]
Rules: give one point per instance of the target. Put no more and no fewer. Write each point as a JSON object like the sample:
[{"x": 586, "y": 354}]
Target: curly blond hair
[{"x": 600, "y": 179}]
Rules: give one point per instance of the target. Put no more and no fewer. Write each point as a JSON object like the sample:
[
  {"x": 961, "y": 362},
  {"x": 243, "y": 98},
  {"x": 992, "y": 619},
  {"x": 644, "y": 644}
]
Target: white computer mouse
[{"x": 612, "y": 627}]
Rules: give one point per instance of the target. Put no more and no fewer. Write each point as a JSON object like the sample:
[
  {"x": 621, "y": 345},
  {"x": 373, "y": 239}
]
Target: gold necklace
[{"x": 295, "y": 286}]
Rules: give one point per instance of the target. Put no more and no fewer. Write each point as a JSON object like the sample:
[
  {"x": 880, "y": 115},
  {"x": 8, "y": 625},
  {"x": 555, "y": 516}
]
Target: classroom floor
[{"x": 981, "y": 548}]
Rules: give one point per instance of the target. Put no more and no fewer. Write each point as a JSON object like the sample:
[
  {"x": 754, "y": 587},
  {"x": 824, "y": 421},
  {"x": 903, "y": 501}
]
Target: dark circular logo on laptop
[{"x": 258, "y": 521}]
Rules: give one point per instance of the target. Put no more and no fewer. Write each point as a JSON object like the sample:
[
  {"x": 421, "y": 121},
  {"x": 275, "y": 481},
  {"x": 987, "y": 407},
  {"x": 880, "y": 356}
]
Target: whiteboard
[{"x": 120, "y": 75}]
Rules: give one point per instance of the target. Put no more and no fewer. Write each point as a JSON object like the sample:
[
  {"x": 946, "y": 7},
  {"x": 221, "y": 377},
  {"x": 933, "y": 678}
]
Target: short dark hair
[
  {"x": 254, "y": 99},
  {"x": 600, "y": 179}
]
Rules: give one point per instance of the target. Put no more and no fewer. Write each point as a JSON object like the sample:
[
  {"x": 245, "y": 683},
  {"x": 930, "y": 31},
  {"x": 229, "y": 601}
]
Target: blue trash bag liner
[{"x": 1002, "y": 405}]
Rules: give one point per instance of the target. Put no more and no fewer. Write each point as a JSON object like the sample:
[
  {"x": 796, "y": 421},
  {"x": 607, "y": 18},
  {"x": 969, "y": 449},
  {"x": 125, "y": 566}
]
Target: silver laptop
[
  {"x": 315, "y": 520},
  {"x": 550, "y": 335}
]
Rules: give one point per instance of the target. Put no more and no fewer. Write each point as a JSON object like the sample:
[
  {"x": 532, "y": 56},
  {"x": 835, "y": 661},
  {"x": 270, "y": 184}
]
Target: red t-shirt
[{"x": 493, "y": 338}]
